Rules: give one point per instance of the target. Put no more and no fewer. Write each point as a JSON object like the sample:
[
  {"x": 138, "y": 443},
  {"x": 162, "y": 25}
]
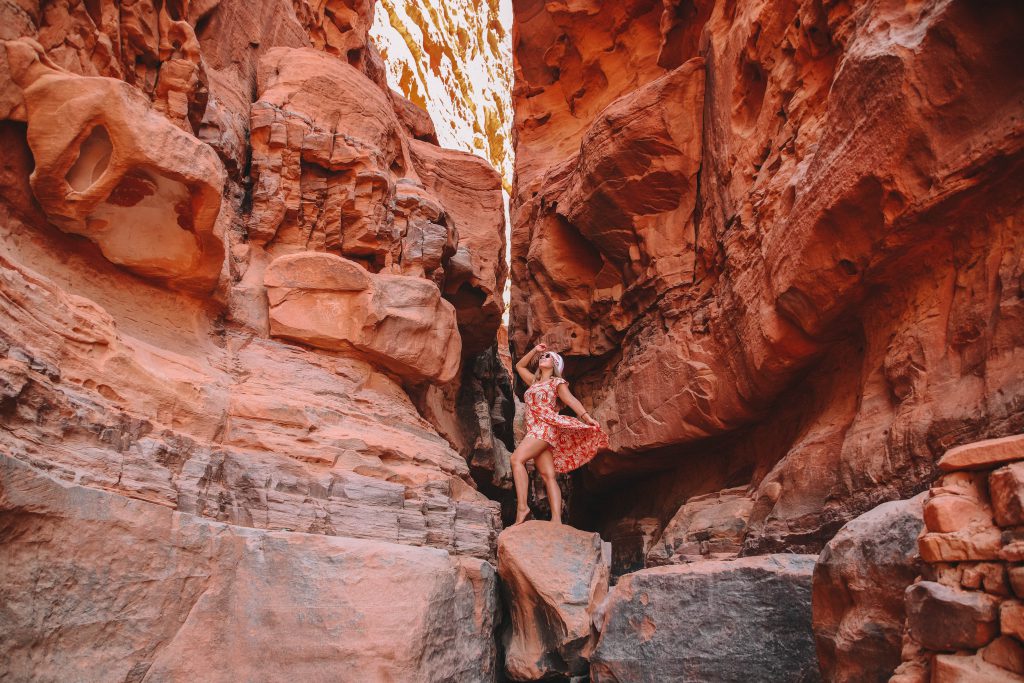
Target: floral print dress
[{"x": 573, "y": 442}]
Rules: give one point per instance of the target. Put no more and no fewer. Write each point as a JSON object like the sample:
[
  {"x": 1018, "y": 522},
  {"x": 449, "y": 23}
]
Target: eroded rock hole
[
  {"x": 93, "y": 159},
  {"x": 748, "y": 94},
  {"x": 133, "y": 188}
]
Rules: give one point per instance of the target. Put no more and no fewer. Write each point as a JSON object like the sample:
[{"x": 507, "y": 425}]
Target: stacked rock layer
[
  {"x": 965, "y": 613},
  {"x": 248, "y": 312}
]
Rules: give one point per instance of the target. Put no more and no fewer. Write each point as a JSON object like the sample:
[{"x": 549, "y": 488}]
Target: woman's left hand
[{"x": 590, "y": 421}]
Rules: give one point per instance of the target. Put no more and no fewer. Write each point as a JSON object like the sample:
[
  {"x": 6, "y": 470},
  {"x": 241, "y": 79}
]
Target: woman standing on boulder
[{"x": 558, "y": 442}]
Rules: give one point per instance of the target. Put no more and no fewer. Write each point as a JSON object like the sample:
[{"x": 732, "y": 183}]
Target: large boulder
[
  {"x": 739, "y": 620},
  {"x": 398, "y": 321},
  {"x": 110, "y": 168},
  {"x": 101, "y": 587},
  {"x": 555, "y": 577},
  {"x": 859, "y": 582}
]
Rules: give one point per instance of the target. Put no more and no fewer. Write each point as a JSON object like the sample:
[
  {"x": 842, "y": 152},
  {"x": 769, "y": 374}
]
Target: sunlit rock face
[
  {"x": 329, "y": 302},
  {"x": 243, "y": 296},
  {"x": 453, "y": 59},
  {"x": 779, "y": 244},
  {"x": 111, "y": 168},
  {"x": 335, "y": 169}
]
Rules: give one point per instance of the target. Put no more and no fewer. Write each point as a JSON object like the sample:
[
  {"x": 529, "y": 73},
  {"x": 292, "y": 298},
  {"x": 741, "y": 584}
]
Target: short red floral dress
[{"x": 573, "y": 442}]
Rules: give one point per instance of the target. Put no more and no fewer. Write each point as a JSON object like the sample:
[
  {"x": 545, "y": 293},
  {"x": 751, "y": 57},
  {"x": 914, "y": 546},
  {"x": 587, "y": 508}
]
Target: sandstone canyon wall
[
  {"x": 246, "y": 303},
  {"x": 780, "y": 244}
]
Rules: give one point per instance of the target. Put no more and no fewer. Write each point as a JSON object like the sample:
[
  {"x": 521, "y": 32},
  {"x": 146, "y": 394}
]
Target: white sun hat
[{"x": 559, "y": 363}]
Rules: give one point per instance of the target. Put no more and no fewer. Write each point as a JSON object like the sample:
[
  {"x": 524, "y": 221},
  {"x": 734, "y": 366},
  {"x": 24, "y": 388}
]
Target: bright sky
[{"x": 444, "y": 55}]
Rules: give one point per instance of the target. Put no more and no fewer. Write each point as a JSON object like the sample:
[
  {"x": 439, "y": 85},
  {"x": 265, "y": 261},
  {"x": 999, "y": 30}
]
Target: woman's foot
[
  {"x": 556, "y": 521},
  {"x": 521, "y": 515}
]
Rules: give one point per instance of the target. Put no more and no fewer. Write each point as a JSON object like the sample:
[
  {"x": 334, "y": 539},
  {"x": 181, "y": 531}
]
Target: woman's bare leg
[
  {"x": 546, "y": 466},
  {"x": 528, "y": 449}
]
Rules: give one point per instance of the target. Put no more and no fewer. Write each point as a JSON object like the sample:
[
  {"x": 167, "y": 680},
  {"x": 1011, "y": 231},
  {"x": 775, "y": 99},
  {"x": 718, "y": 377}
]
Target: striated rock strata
[
  {"x": 144, "y": 592},
  {"x": 247, "y": 309}
]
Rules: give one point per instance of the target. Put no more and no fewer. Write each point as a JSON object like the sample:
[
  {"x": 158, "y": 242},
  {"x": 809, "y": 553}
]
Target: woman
[{"x": 558, "y": 442}]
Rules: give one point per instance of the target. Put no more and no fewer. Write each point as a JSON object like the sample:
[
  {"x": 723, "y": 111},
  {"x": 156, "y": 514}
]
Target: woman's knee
[{"x": 520, "y": 456}]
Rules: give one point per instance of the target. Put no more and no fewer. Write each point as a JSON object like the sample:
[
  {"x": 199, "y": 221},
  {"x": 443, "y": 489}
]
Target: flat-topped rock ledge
[
  {"x": 98, "y": 586},
  {"x": 983, "y": 454}
]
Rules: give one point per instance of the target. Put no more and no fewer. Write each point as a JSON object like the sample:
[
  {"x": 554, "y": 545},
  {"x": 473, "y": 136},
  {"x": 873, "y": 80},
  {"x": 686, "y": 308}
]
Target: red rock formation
[
  {"x": 969, "y": 592},
  {"x": 555, "y": 578},
  {"x": 242, "y": 295},
  {"x": 112, "y": 588},
  {"x": 779, "y": 243},
  {"x": 859, "y": 583},
  {"x": 110, "y": 168}
]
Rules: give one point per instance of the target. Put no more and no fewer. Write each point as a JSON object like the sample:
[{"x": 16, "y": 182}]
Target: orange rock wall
[
  {"x": 237, "y": 277},
  {"x": 779, "y": 243}
]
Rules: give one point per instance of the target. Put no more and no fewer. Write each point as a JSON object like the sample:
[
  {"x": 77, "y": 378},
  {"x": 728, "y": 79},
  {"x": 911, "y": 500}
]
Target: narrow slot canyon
[{"x": 276, "y": 278}]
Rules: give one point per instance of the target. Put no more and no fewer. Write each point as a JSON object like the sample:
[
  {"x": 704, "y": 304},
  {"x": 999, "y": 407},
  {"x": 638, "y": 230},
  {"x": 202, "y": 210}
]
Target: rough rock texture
[
  {"x": 121, "y": 377},
  {"x": 163, "y": 163},
  {"x": 554, "y": 577},
  {"x": 1006, "y": 488},
  {"x": 110, "y": 168},
  {"x": 330, "y": 302},
  {"x": 944, "y": 618},
  {"x": 779, "y": 243},
  {"x": 221, "y": 423},
  {"x": 965, "y": 600},
  {"x": 859, "y": 584},
  {"x": 100, "y": 587},
  {"x": 712, "y": 525},
  {"x": 727, "y": 620},
  {"x": 335, "y": 169}
]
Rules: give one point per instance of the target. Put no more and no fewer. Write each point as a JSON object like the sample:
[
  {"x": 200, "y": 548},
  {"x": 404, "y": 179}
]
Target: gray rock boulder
[
  {"x": 859, "y": 582},
  {"x": 742, "y": 620}
]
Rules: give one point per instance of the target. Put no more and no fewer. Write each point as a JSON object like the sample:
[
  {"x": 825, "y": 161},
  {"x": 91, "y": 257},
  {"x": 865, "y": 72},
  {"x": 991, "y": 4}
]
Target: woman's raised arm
[{"x": 521, "y": 366}]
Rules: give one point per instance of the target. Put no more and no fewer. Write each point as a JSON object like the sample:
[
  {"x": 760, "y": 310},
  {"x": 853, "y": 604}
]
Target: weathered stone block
[
  {"x": 946, "y": 619},
  {"x": 1006, "y": 489}
]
